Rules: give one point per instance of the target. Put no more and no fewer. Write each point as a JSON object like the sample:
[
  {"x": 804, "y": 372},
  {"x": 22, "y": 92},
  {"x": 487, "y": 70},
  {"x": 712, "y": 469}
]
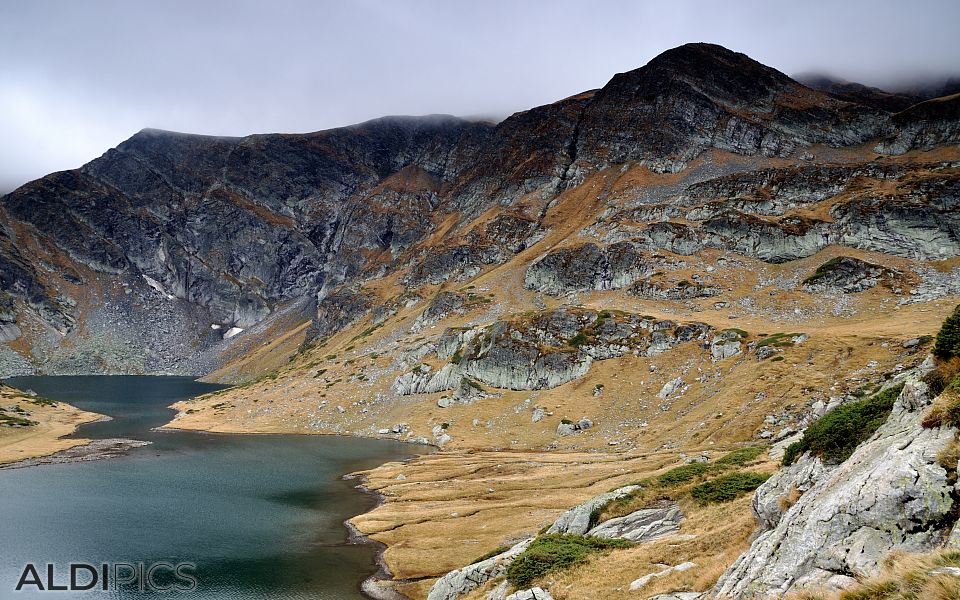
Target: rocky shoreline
[
  {"x": 94, "y": 450},
  {"x": 377, "y": 586}
]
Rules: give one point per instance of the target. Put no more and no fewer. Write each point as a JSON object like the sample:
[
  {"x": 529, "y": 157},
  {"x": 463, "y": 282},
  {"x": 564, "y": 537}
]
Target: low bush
[
  {"x": 836, "y": 435},
  {"x": 741, "y": 457},
  {"x": 579, "y": 340},
  {"x": 683, "y": 474},
  {"x": 550, "y": 553},
  {"x": 727, "y": 487},
  {"x": 9, "y": 420},
  {"x": 948, "y": 338}
]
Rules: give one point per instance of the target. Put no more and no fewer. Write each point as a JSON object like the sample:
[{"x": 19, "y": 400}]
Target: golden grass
[
  {"x": 903, "y": 577},
  {"x": 46, "y": 437}
]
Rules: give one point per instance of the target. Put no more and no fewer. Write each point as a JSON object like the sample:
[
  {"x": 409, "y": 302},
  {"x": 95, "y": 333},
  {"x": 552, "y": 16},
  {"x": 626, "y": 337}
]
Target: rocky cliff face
[
  {"x": 231, "y": 230},
  {"x": 890, "y": 495}
]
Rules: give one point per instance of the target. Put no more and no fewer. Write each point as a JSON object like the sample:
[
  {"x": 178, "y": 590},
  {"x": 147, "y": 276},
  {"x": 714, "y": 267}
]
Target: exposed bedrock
[
  {"x": 891, "y": 494},
  {"x": 545, "y": 350}
]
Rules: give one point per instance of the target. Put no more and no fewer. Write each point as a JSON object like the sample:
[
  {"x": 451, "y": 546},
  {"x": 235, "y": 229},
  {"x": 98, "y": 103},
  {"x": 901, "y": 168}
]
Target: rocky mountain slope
[
  {"x": 223, "y": 233},
  {"x": 701, "y": 256}
]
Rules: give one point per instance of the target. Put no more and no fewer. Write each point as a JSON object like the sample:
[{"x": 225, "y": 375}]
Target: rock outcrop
[
  {"x": 642, "y": 525},
  {"x": 545, "y": 350},
  {"x": 891, "y": 494},
  {"x": 577, "y": 520},
  {"x": 464, "y": 580},
  {"x": 845, "y": 274},
  {"x": 586, "y": 267}
]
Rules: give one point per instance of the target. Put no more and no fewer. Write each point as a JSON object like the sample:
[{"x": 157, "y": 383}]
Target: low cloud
[{"x": 79, "y": 77}]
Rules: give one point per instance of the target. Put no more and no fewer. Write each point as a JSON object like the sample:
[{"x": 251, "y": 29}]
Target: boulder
[
  {"x": 670, "y": 387},
  {"x": 771, "y": 498},
  {"x": 725, "y": 345},
  {"x": 642, "y": 582},
  {"x": 576, "y": 521},
  {"x": 466, "y": 579},
  {"x": 642, "y": 525},
  {"x": 531, "y": 594}
]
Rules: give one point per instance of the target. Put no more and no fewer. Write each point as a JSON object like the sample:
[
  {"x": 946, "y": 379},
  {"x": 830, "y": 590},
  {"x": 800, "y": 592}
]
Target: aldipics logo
[{"x": 79, "y": 577}]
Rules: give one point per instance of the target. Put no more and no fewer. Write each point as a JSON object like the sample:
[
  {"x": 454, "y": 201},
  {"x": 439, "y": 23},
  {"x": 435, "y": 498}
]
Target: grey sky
[{"x": 78, "y": 77}]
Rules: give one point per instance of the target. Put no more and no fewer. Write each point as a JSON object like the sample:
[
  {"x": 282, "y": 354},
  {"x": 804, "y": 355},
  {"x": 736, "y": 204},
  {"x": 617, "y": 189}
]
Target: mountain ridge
[
  {"x": 302, "y": 192},
  {"x": 648, "y": 291}
]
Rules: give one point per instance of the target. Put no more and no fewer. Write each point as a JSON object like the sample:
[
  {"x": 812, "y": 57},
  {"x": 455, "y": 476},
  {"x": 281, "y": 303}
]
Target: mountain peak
[{"x": 717, "y": 70}]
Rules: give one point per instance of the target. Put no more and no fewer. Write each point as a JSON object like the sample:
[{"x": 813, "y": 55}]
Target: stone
[
  {"x": 466, "y": 579},
  {"x": 586, "y": 267},
  {"x": 725, "y": 345},
  {"x": 531, "y": 594},
  {"x": 642, "y": 525},
  {"x": 576, "y": 521},
  {"x": 891, "y": 494},
  {"x": 796, "y": 479},
  {"x": 646, "y": 579},
  {"x": 765, "y": 352},
  {"x": 670, "y": 387}
]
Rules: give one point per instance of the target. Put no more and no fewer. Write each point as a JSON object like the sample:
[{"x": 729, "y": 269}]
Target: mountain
[
  {"x": 235, "y": 229},
  {"x": 688, "y": 266}
]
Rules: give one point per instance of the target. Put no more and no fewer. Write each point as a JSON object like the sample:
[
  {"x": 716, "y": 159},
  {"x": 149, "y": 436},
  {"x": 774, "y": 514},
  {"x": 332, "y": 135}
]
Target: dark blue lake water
[{"x": 259, "y": 516}]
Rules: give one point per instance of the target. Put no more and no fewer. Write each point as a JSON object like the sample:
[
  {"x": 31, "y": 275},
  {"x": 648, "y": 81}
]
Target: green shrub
[
  {"x": 41, "y": 401},
  {"x": 781, "y": 340},
  {"x": 792, "y": 453},
  {"x": 549, "y": 553},
  {"x": 741, "y": 457},
  {"x": 948, "y": 338},
  {"x": 682, "y": 474},
  {"x": 578, "y": 340},
  {"x": 727, "y": 487},
  {"x": 835, "y": 436},
  {"x": 13, "y": 420}
]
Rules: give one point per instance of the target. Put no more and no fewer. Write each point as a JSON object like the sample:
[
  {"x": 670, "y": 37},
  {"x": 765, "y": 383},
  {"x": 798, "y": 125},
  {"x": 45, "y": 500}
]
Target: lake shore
[
  {"x": 380, "y": 585},
  {"x": 52, "y": 422},
  {"x": 91, "y": 450}
]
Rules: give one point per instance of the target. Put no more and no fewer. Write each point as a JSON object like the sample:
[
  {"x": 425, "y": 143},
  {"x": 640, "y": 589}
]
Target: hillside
[{"x": 701, "y": 256}]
